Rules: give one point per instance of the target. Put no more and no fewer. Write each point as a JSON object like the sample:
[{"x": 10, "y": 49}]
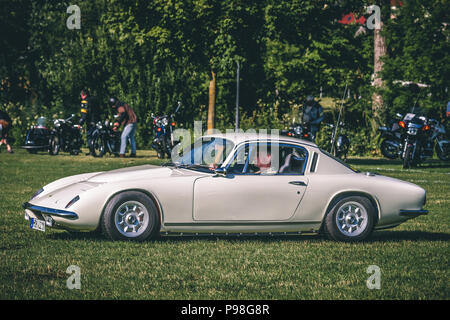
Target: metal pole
[
  {"x": 333, "y": 137},
  {"x": 237, "y": 96}
]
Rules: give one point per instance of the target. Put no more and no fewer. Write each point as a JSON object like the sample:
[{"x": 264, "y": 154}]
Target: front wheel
[
  {"x": 407, "y": 159},
  {"x": 54, "y": 146},
  {"x": 351, "y": 219},
  {"x": 130, "y": 215},
  {"x": 97, "y": 147},
  {"x": 443, "y": 155}
]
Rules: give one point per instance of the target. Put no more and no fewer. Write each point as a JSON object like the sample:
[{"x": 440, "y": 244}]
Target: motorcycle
[
  {"x": 392, "y": 144},
  {"x": 163, "y": 127},
  {"x": 38, "y": 137},
  {"x": 416, "y": 133},
  {"x": 442, "y": 145},
  {"x": 105, "y": 139},
  {"x": 340, "y": 144},
  {"x": 65, "y": 137},
  {"x": 298, "y": 130}
]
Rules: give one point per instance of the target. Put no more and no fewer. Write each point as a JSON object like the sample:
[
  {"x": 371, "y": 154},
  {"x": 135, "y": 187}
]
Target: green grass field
[{"x": 413, "y": 258}]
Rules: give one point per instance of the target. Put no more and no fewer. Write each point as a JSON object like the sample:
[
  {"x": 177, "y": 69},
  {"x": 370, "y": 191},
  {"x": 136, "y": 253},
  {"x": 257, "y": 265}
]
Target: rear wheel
[
  {"x": 131, "y": 215},
  {"x": 351, "y": 219},
  {"x": 388, "y": 149}
]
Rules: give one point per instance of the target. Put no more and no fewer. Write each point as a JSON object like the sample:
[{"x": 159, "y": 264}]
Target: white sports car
[{"x": 230, "y": 184}]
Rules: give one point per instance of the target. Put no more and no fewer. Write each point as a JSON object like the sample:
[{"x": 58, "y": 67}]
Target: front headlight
[{"x": 37, "y": 193}]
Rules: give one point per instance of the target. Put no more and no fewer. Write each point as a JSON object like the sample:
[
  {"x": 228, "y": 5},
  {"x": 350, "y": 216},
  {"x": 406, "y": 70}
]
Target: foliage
[{"x": 153, "y": 54}]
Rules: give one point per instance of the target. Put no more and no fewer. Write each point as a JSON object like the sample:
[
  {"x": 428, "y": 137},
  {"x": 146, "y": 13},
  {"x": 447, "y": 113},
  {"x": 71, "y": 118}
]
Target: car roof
[{"x": 239, "y": 137}]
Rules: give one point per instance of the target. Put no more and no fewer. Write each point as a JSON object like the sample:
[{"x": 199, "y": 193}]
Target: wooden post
[{"x": 212, "y": 101}]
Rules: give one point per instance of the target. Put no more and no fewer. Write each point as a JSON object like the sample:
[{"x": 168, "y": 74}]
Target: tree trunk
[
  {"x": 379, "y": 53},
  {"x": 212, "y": 101}
]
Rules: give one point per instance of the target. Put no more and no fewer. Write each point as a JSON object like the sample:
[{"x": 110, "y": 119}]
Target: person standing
[
  {"x": 90, "y": 114},
  {"x": 127, "y": 118},
  {"x": 5, "y": 125},
  {"x": 312, "y": 115}
]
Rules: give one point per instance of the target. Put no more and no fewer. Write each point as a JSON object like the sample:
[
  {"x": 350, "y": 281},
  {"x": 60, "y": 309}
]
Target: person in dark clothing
[
  {"x": 127, "y": 118},
  {"x": 5, "y": 126},
  {"x": 90, "y": 114},
  {"x": 312, "y": 115}
]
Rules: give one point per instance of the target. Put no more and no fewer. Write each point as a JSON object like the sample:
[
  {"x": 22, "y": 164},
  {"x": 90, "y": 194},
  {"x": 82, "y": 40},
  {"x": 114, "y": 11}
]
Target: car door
[{"x": 253, "y": 190}]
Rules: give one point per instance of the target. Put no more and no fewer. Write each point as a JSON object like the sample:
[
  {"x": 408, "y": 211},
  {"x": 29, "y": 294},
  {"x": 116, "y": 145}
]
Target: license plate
[
  {"x": 412, "y": 131},
  {"x": 37, "y": 224}
]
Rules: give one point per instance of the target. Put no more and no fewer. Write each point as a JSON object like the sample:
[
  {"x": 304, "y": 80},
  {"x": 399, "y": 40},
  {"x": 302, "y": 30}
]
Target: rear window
[{"x": 339, "y": 160}]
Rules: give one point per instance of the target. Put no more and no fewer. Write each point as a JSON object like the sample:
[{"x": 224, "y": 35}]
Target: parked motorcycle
[
  {"x": 298, "y": 130},
  {"x": 38, "y": 137},
  {"x": 416, "y": 133},
  {"x": 340, "y": 143},
  {"x": 163, "y": 127},
  {"x": 442, "y": 145},
  {"x": 392, "y": 144},
  {"x": 105, "y": 139},
  {"x": 65, "y": 137}
]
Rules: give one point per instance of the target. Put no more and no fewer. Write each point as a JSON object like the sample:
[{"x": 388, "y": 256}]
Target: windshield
[
  {"x": 206, "y": 152},
  {"x": 340, "y": 161}
]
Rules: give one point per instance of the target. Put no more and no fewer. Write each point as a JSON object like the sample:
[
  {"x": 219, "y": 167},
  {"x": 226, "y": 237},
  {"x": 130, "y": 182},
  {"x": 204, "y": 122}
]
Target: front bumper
[{"x": 39, "y": 211}]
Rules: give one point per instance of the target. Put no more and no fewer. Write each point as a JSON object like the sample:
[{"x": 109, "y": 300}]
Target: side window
[
  {"x": 269, "y": 159},
  {"x": 292, "y": 160}
]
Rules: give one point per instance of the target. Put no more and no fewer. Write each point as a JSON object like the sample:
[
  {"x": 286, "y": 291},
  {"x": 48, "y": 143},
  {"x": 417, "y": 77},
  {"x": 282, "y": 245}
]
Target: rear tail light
[
  {"x": 426, "y": 128},
  {"x": 402, "y": 124}
]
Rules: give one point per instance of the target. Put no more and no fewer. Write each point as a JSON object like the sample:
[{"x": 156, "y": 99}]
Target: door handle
[{"x": 298, "y": 183}]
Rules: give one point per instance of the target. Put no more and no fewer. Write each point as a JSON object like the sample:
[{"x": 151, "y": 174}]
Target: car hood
[{"x": 131, "y": 173}]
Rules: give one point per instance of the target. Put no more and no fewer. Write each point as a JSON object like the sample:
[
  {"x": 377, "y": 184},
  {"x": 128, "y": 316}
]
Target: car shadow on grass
[
  {"x": 384, "y": 236},
  {"x": 378, "y": 236},
  {"x": 433, "y": 163}
]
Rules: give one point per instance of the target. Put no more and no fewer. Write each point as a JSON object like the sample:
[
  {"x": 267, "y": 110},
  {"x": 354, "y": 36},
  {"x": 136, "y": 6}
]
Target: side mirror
[{"x": 220, "y": 172}]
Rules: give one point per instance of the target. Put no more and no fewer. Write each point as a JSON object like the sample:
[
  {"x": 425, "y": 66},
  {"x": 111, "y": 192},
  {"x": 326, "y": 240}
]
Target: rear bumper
[{"x": 413, "y": 213}]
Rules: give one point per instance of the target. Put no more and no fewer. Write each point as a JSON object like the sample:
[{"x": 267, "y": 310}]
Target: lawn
[{"x": 413, "y": 258}]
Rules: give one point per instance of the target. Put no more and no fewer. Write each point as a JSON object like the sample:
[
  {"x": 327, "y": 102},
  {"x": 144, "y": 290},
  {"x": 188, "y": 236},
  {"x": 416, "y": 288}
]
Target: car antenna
[{"x": 333, "y": 136}]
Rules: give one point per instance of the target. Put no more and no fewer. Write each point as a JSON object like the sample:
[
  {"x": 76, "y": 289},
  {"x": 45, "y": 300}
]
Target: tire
[
  {"x": 385, "y": 150},
  {"x": 442, "y": 156},
  {"x": 407, "y": 162},
  {"x": 130, "y": 215},
  {"x": 97, "y": 148},
  {"x": 352, "y": 219},
  {"x": 54, "y": 146}
]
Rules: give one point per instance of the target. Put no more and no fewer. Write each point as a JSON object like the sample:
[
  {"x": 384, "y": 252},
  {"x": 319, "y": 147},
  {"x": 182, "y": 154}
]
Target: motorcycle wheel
[
  {"x": 441, "y": 154},
  {"x": 54, "y": 146},
  {"x": 407, "y": 162},
  {"x": 97, "y": 147},
  {"x": 388, "y": 151}
]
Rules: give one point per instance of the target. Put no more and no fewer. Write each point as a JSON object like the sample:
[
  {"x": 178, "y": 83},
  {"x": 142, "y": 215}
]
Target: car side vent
[{"x": 314, "y": 162}]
